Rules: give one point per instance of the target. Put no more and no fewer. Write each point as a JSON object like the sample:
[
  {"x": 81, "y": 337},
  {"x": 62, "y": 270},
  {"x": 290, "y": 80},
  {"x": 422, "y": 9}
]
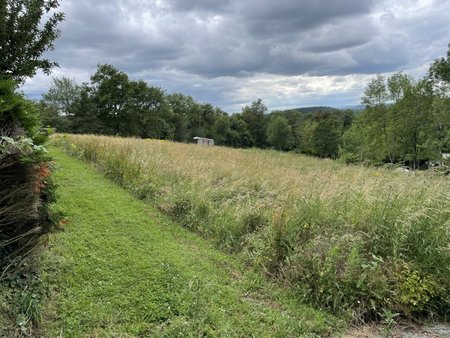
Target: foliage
[
  {"x": 352, "y": 239},
  {"x": 18, "y": 115},
  {"x": 25, "y": 37},
  {"x": 21, "y": 298},
  {"x": 279, "y": 133},
  {"x": 238, "y": 135},
  {"x": 440, "y": 69},
  {"x": 24, "y": 177},
  {"x": 404, "y": 122},
  {"x": 321, "y": 134},
  {"x": 256, "y": 119},
  {"x": 58, "y": 104}
]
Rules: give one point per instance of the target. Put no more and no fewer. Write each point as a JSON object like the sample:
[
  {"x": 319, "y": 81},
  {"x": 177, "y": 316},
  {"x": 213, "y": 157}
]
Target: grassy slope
[
  {"x": 121, "y": 268},
  {"x": 357, "y": 240}
]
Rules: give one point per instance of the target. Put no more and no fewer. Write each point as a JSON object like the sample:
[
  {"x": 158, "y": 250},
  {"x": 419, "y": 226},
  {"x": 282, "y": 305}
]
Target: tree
[
  {"x": 63, "y": 93},
  {"x": 25, "y": 38},
  {"x": 376, "y": 99},
  {"x": 440, "y": 69},
  {"x": 398, "y": 124},
  {"x": 180, "y": 105},
  {"x": 85, "y": 114},
  {"x": 128, "y": 108},
  {"x": 321, "y": 134},
  {"x": 57, "y": 105},
  {"x": 279, "y": 133},
  {"x": 238, "y": 135},
  {"x": 149, "y": 107},
  {"x": 110, "y": 91},
  {"x": 256, "y": 119},
  {"x": 439, "y": 75}
]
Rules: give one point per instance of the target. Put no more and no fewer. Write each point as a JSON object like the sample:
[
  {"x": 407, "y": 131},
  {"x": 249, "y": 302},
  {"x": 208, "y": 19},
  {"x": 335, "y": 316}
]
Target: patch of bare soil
[{"x": 401, "y": 330}]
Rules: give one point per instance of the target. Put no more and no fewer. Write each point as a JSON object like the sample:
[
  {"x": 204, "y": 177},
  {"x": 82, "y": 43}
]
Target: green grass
[
  {"x": 358, "y": 241},
  {"x": 121, "y": 268}
]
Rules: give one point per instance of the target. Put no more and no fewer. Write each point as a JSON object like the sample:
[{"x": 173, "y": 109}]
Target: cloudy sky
[{"x": 290, "y": 53}]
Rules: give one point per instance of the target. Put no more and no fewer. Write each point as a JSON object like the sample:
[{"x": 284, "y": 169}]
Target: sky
[{"x": 289, "y": 53}]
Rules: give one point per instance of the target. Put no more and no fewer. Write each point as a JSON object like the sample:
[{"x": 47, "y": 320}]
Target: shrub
[{"x": 25, "y": 182}]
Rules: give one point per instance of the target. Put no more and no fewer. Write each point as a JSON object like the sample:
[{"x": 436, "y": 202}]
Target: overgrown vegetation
[
  {"x": 122, "y": 269},
  {"x": 354, "y": 240},
  {"x": 26, "y": 191},
  {"x": 24, "y": 177},
  {"x": 28, "y": 29}
]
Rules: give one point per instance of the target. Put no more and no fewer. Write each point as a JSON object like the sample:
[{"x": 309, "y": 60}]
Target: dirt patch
[{"x": 401, "y": 330}]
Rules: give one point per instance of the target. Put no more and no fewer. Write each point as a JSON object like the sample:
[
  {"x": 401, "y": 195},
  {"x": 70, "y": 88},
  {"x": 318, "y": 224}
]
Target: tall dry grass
[{"x": 348, "y": 238}]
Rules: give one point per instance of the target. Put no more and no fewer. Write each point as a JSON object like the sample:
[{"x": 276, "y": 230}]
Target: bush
[{"x": 25, "y": 183}]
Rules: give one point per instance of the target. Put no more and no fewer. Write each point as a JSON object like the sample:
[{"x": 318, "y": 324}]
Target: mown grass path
[{"x": 120, "y": 269}]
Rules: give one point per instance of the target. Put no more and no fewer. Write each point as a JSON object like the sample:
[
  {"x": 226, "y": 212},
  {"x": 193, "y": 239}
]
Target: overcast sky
[{"x": 289, "y": 53}]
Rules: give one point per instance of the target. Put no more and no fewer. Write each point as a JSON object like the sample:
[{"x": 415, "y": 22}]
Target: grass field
[
  {"x": 363, "y": 242},
  {"x": 120, "y": 268}
]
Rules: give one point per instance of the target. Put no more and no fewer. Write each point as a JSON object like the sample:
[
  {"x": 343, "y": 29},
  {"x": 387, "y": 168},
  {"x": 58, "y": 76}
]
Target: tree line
[
  {"x": 113, "y": 104},
  {"x": 405, "y": 120}
]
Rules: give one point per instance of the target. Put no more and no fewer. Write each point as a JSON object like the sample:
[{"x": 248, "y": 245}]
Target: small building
[{"x": 204, "y": 141}]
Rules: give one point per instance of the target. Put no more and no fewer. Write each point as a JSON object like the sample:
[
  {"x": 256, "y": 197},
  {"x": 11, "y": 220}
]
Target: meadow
[{"x": 365, "y": 243}]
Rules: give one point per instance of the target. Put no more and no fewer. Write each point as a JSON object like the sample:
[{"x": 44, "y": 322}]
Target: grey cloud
[
  {"x": 208, "y": 47},
  {"x": 199, "y": 5},
  {"x": 272, "y": 18},
  {"x": 232, "y": 38}
]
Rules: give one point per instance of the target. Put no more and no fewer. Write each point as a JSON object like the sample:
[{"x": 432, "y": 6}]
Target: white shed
[{"x": 204, "y": 141}]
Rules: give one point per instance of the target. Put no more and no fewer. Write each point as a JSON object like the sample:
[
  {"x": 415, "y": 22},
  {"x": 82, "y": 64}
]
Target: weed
[{"x": 389, "y": 319}]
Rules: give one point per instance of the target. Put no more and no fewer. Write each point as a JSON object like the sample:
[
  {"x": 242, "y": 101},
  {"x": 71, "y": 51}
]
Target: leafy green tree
[
  {"x": 18, "y": 116},
  {"x": 221, "y": 126},
  {"x": 25, "y": 37},
  {"x": 294, "y": 118},
  {"x": 326, "y": 138},
  {"x": 441, "y": 122},
  {"x": 57, "y": 105},
  {"x": 416, "y": 122},
  {"x": 86, "y": 119},
  {"x": 62, "y": 94},
  {"x": 129, "y": 108},
  {"x": 439, "y": 75},
  {"x": 256, "y": 119},
  {"x": 279, "y": 133},
  {"x": 398, "y": 124},
  {"x": 321, "y": 134},
  {"x": 306, "y": 133},
  {"x": 376, "y": 99},
  {"x": 51, "y": 118},
  {"x": 149, "y": 111},
  {"x": 110, "y": 91},
  {"x": 238, "y": 135},
  {"x": 440, "y": 69},
  {"x": 180, "y": 105}
]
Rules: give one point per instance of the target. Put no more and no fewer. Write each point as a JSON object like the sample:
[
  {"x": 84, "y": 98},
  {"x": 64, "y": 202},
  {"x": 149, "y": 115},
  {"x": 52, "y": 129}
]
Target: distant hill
[
  {"x": 314, "y": 109},
  {"x": 357, "y": 109}
]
